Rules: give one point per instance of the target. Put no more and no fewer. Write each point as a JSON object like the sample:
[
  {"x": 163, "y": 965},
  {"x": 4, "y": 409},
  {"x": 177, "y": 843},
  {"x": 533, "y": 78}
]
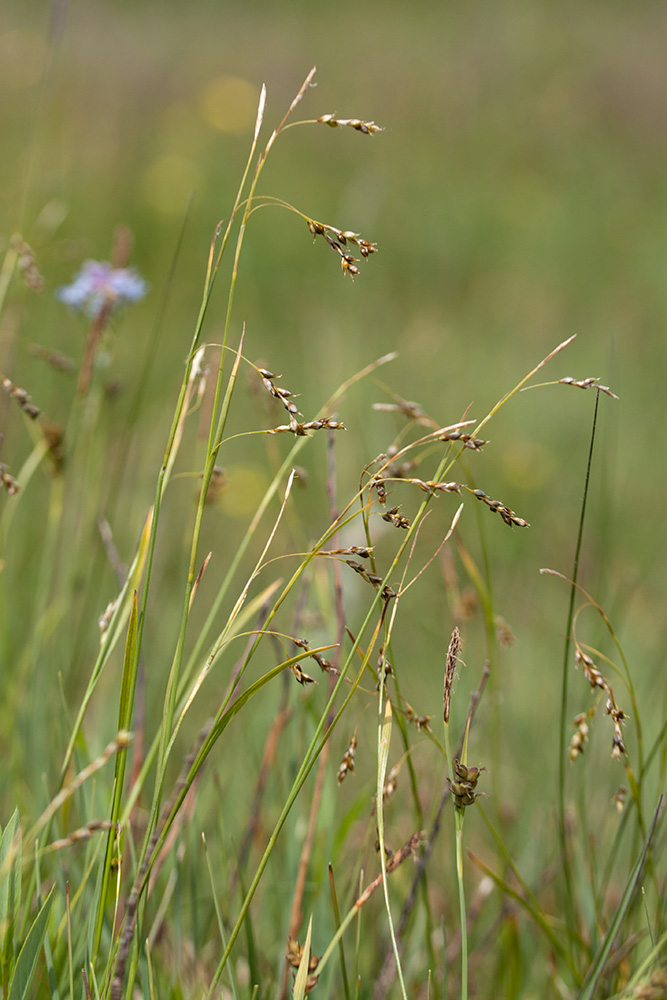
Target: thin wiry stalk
[{"x": 562, "y": 733}]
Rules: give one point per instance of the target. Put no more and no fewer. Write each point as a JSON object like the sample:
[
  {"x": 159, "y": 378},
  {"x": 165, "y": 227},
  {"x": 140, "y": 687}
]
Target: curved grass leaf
[{"x": 27, "y": 960}]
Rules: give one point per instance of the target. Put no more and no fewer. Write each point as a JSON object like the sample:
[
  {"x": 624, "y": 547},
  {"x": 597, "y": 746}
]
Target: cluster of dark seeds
[
  {"x": 21, "y": 397},
  {"x": 397, "y": 519},
  {"x": 303, "y": 430},
  {"x": 597, "y": 680},
  {"x": 384, "y": 667},
  {"x": 467, "y": 440},
  {"x": 286, "y": 397},
  {"x": 324, "y": 664},
  {"x": 338, "y": 240},
  {"x": 508, "y": 516},
  {"x": 464, "y": 784},
  {"x": 429, "y": 486},
  {"x": 293, "y": 955},
  {"x": 587, "y": 383},
  {"x": 420, "y": 721},
  {"x": 347, "y": 763},
  {"x": 363, "y": 551},
  {"x": 366, "y": 128},
  {"x": 391, "y": 783},
  {"x": 387, "y": 592}
]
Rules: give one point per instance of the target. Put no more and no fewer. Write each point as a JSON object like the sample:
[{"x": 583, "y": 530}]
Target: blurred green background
[{"x": 518, "y": 195}]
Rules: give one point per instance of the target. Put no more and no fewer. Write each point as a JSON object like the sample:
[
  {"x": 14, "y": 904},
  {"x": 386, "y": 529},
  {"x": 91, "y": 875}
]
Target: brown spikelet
[
  {"x": 450, "y": 669},
  {"x": 587, "y": 383},
  {"x": 347, "y": 763},
  {"x": 21, "y": 397},
  {"x": 366, "y": 128},
  {"x": 508, "y": 516},
  {"x": 338, "y": 240}
]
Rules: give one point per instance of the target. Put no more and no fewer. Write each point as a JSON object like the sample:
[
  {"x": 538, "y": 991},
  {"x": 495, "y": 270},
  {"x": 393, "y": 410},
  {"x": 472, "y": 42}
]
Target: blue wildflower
[{"x": 98, "y": 285}]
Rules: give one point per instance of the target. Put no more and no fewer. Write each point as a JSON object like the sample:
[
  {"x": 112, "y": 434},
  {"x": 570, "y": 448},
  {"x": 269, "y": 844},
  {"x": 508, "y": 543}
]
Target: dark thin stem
[{"x": 562, "y": 735}]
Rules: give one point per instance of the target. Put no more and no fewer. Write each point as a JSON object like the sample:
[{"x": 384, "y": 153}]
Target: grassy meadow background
[{"x": 517, "y": 195}]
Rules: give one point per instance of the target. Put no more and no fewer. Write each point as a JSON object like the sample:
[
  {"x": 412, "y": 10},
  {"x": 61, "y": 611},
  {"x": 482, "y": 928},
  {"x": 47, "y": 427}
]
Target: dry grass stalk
[{"x": 81, "y": 835}]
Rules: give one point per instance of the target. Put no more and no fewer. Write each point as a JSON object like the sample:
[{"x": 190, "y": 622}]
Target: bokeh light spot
[
  {"x": 168, "y": 183},
  {"x": 229, "y": 104}
]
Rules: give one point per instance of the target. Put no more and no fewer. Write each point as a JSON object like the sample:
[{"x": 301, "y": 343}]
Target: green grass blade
[
  {"x": 128, "y": 684},
  {"x": 301, "y": 979},
  {"x": 587, "y": 990},
  {"x": 27, "y": 961}
]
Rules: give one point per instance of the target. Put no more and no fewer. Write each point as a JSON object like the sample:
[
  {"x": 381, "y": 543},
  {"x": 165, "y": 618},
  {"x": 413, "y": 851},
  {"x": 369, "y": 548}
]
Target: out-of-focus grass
[{"x": 517, "y": 196}]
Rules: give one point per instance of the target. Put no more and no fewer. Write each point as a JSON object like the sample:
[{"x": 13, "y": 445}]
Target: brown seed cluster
[
  {"x": 338, "y": 240},
  {"x": 324, "y": 664},
  {"x": 464, "y": 784},
  {"x": 293, "y": 955},
  {"x": 391, "y": 783},
  {"x": 508, "y": 516},
  {"x": 596, "y": 680},
  {"x": 587, "y": 383},
  {"x": 387, "y": 592},
  {"x": 347, "y": 763},
  {"x": 286, "y": 397},
  {"x": 397, "y": 519},
  {"x": 21, "y": 397},
  {"x": 363, "y": 551},
  {"x": 420, "y": 721},
  {"x": 467, "y": 440},
  {"x": 8, "y": 482},
  {"x": 366, "y": 128},
  {"x": 384, "y": 667},
  {"x": 430, "y": 486}
]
